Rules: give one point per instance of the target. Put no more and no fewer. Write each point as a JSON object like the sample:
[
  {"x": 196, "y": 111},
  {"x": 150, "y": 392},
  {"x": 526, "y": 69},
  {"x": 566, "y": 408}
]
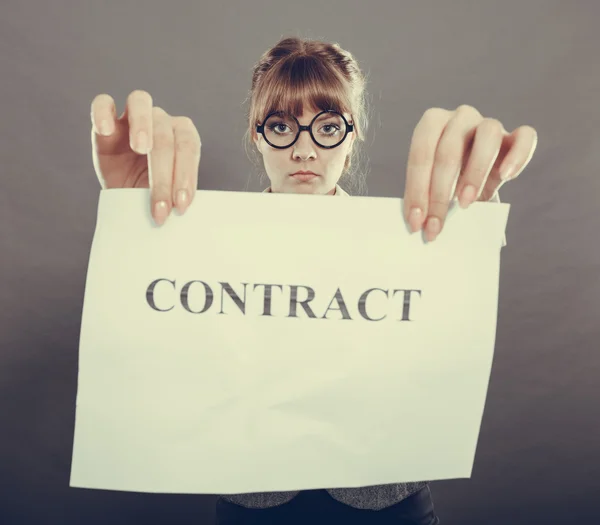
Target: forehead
[
  {"x": 301, "y": 102},
  {"x": 307, "y": 114}
]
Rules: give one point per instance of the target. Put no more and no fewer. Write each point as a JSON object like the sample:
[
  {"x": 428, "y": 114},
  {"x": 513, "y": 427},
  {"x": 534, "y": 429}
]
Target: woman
[{"x": 307, "y": 111}]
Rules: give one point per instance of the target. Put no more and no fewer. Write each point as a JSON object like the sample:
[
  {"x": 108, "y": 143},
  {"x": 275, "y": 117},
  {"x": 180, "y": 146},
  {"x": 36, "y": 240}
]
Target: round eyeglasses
[{"x": 328, "y": 129}]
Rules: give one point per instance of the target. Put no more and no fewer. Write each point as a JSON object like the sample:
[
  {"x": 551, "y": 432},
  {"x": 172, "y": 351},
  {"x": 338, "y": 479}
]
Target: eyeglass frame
[{"x": 261, "y": 129}]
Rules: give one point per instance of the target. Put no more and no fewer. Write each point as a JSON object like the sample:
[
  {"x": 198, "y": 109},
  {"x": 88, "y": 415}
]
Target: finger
[
  {"x": 105, "y": 129},
  {"x": 484, "y": 152},
  {"x": 448, "y": 160},
  {"x": 138, "y": 112},
  {"x": 420, "y": 162},
  {"x": 187, "y": 161},
  {"x": 160, "y": 165},
  {"x": 516, "y": 152},
  {"x": 103, "y": 114}
]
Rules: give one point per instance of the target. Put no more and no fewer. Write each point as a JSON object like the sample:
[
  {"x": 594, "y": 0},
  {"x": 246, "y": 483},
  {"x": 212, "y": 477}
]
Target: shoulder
[{"x": 339, "y": 192}]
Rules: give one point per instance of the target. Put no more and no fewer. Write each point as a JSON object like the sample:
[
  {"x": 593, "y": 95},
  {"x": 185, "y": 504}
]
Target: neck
[{"x": 330, "y": 192}]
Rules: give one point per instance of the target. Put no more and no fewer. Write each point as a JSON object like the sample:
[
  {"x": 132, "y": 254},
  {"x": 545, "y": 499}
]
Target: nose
[{"x": 304, "y": 148}]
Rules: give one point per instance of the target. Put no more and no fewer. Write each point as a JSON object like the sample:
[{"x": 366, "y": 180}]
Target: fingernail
[
  {"x": 433, "y": 228},
  {"x": 507, "y": 172},
  {"x": 161, "y": 211},
  {"x": 142, "y": 142},
  {"x": 468, "y": 195},
  {"x": 105, "y": 128},
  {"x": 414, "y": 219},
  {"x": 181, "y": 200}
]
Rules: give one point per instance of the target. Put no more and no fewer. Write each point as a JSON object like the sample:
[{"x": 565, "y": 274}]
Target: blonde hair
[{"x": 297, "y": 71}]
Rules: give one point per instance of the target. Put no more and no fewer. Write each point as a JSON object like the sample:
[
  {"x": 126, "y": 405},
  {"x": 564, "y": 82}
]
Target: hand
[
  {"x": 146, "y": 148},
  {"x": 460, "y": 153}
]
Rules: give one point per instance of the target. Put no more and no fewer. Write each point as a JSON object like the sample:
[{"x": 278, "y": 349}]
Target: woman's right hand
[{"x": 146, "y": 148}]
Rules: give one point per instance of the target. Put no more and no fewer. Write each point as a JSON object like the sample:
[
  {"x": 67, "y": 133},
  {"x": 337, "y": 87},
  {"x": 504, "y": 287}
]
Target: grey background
[{"x": 533, "y": 62}]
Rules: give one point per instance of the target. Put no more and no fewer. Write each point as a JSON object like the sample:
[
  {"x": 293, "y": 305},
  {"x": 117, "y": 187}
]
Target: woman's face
[{"x": 304, "y": 155}]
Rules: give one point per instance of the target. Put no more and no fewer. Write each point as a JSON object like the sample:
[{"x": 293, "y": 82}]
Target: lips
[{"x": 304, "y": 176}]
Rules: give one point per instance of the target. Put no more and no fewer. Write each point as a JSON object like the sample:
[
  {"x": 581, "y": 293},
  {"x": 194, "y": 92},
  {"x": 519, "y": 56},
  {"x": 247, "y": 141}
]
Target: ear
[
  {"x": 352, "y": 139},
  {"x": 256, "y": 139},
  {"x": 256, "y": 136}
]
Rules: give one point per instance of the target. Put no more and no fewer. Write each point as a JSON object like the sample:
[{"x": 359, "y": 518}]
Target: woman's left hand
[{"x": 460, "y": 153}]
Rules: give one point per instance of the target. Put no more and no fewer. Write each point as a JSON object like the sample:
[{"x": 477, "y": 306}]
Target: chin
[
  {"x": 305, "y": 188},
  {"x": 316, "y": 185}
]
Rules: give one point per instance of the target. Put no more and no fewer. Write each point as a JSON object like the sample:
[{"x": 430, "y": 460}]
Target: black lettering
[
  {"x": 208, "y": 297},
  {"x": 267, "y": 297},
  {"x": 150, "y": 295},
  {"x": 236, "y": 299},
  {"x": 406, "y": 303},
  {"x": 362, "y": 304},
  {"x": 294, "y": 301},
  {"x": 340, "y": 300}
]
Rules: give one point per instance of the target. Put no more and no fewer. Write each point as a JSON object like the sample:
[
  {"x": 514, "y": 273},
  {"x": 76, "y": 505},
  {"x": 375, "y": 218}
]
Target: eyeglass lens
[{"x": 328, "y": 130}]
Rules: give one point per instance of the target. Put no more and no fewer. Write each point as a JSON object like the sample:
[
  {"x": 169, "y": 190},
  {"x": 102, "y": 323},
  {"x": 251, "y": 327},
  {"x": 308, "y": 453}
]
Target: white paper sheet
[{"x": 224, "y": 402}]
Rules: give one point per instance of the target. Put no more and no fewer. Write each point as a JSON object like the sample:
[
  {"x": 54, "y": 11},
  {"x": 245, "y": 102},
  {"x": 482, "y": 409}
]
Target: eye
[
  {"x": 276, "y": 127},
  {"x": 331, "y": 127}
]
